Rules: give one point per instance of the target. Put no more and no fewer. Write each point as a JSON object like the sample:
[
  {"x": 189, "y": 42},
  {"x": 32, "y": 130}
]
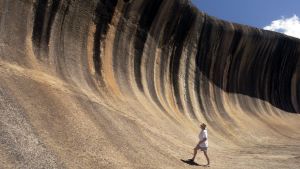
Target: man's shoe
[{"x": 207, "y": 165}]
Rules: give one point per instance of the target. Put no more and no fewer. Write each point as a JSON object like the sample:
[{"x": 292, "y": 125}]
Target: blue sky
[{"x": 276, "y": 15}]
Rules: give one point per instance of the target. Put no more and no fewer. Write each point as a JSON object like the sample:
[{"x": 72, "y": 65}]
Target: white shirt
[{"x": 203, "y": 135}]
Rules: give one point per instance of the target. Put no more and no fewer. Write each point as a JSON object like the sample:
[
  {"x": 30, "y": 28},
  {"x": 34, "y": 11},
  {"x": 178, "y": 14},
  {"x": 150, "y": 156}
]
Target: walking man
[{"x": 203, "y": 144}]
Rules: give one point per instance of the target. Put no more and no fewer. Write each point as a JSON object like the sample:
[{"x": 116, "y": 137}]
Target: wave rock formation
[{"x": 126, "y": 83}]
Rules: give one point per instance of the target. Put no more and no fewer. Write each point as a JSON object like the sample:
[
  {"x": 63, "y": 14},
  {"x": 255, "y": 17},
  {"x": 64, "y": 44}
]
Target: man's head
[{"x": 203, "y": 126}]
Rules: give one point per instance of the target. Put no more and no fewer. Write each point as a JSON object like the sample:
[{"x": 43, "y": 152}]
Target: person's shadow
[{"x": 190, "y": 162}]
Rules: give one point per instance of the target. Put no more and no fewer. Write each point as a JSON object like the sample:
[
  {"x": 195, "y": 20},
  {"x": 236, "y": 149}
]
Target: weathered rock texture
[{"x": 124, "y": 84}]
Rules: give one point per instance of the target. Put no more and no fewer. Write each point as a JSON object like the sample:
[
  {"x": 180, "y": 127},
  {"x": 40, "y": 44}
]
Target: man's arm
[{"x": 202, "y": 141}]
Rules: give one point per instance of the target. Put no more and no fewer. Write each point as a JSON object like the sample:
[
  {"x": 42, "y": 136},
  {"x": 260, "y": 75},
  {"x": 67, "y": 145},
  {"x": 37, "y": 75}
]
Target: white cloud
[{"x": 289, "y": 26}]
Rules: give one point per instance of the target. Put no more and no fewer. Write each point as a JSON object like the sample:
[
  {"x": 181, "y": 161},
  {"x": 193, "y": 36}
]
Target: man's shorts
[{"x": 202, "y": 148}]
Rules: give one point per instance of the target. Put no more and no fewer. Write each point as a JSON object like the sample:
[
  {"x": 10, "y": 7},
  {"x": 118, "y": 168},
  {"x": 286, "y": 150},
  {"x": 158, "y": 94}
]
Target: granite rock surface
[{"x": 126, "y": 83}]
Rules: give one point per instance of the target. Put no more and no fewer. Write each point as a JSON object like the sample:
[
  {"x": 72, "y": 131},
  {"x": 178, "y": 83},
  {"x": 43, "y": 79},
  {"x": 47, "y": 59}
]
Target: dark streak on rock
[
  {"x": 44, "y": 18},
  {"x": 145, "y": 22},
  {"x": 201, "y": 52},
  {"x": 181, "y": 30},
  {"x": 103, "y": 16},
  {"x": 54, "y": 8},
  {"x": 40, "y": 8}
]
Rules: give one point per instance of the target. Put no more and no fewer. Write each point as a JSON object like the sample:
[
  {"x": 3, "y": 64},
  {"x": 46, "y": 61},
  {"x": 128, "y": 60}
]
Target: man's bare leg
[
  {"x": 205, "y": 153},
  {"x": 195, "y": 153}
]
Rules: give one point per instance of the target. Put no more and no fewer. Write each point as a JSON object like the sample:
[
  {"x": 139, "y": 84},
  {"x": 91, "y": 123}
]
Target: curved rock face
[{"x": 125, "y": 83}]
